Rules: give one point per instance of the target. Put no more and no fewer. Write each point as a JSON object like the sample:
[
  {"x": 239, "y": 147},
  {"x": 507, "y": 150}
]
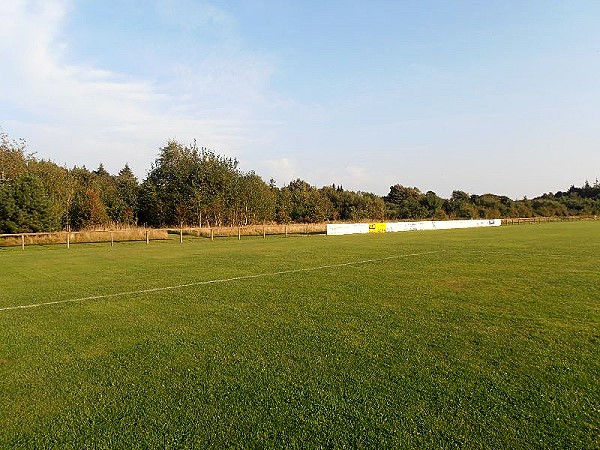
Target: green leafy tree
[
  {"x": 189, "y": 186},
  {"x": 548, "y": 208},
  {"x": 432, "y": 205},
  {"x": 284, "y": 206},
  {"x": 8, "y": 210},
  {"x": 459, "y": 206},
  {"x": 307, "y": 203},
  {"x": 150, "y": 205},
  {"x": 25, "y": 206},
  {"x": 488, "y": 206},
  {"x": 257, "y": 200},
  {"x": 405, "y": 203},
  {"x": 87, "y": 209},
  {"x": 128, "y": 192},
  {"x": 14, "y": 159},
  {"x": 59, "y": 187}
]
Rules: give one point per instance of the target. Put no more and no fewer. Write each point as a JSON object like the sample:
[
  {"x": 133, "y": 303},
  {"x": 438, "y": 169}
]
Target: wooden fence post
[
  {"x": 147, "y": 238},
  {"x": 181, "y": 235},
  {"x": 239, "y": 233},
  {"x": 286, "y": 231},
  {"x": 264, "y": 232},
  {"x": 212, "y": 235},
  {"x": 68, "y": 238},
  {"x": 22, "y": 242},
  {"x": 112, "y": 239}
]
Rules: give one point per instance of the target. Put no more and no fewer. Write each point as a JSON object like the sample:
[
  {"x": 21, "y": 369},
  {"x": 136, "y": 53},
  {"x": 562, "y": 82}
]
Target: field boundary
[
  {"x": 151, "y": 234},
  {"x": 216, "y": 281},
  {"x": 267, "y": 229},
  {"x": 544, "y": 219},
  {"x": 336, "y": 229}
]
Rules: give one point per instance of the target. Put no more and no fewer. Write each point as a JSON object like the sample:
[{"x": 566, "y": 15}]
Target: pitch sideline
[{"x": 219, "y": 280}]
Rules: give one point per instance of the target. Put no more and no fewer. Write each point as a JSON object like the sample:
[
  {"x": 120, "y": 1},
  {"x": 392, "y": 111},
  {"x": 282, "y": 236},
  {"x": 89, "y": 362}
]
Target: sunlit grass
[{"x": 483, "y": 338}]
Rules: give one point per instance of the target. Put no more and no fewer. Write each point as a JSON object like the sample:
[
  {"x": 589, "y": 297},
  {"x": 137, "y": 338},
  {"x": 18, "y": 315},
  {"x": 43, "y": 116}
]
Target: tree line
[{"x": 191, "y": 186}]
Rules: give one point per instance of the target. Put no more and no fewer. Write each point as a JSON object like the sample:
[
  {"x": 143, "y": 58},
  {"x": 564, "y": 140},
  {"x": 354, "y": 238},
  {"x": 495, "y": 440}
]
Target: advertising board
[
  {"x": 377, "y": 227},
  {"x": 337, "y": 229},
  {"x": 392, "y": 227}
]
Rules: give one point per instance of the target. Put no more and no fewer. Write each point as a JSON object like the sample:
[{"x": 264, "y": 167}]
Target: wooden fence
[
  {"x": 149, "y": 234},
  {"x": 254, "y": 230},
  {"x": 531, "y": 220},
  {"x": 88, "y": 236}
]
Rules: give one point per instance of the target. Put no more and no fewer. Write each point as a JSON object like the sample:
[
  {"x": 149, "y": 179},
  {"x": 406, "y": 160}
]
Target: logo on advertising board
[{"x": 377, "y": 227}]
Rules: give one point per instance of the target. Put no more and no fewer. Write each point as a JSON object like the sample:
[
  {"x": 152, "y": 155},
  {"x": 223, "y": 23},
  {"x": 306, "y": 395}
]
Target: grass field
[{"x": 480, "y": 338}]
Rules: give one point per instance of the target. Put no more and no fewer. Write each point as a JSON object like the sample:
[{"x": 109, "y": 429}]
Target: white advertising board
[
  {"x": 337, "y": 229},
  {"x": 408, "y": 226},
  {"x": 450, "y": 224},
  {"x": 392, "y": 227}
]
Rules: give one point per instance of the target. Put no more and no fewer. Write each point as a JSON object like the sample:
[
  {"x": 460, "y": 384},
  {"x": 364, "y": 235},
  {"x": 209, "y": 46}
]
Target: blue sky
[{"x": 498, "y": 97}]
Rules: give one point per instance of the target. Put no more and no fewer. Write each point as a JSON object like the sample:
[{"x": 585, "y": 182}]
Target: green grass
[{"x": 481, "y": 338}]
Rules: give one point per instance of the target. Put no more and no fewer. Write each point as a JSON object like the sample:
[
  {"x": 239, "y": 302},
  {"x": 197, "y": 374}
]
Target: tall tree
[
  {"x": 257, "y": 200},
  {"x": 13, "y": 157},
  {"x": 87, "y": 208},
  {"x": 405, "y": 202},
  {"x": 25, "y": 206},
  {"x": 128, "y": 191},
  {"x": 190, "y": 186}
]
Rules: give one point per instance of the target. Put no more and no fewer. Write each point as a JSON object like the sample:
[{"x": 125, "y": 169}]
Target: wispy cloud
[
  {"x": 77, "y": 113},
  {"x": 283, "y": 170}
]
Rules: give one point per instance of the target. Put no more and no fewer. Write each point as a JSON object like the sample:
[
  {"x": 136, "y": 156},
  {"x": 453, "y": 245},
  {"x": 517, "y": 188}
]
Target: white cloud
[
  {"x": 80, "y": 114},
  {"x": 283, "y": 170}
]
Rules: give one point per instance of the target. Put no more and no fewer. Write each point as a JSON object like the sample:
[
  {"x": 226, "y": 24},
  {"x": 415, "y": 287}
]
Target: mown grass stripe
[{"x": 219, "y": 280}]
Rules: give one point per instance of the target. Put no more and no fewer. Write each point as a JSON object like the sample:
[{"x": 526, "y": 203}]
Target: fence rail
[
  {"x": 531, "y": 220},
  {"x": 254, "y": 230},
  {"x": 150, "y": 234},
  {"x": 87, "y": 236}
]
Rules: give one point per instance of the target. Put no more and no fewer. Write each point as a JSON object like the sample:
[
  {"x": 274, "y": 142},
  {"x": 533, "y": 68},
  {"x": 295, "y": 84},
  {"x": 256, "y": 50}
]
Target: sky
[{"x": 486, "y": 97}]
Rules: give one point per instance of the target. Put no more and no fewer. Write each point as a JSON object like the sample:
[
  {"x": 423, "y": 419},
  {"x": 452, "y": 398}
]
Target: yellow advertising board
[{"x": 377, "y": 227}]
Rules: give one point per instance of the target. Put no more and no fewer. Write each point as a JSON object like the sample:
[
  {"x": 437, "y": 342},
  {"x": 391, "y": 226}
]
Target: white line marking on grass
[{"x": 220, "y": 280}]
